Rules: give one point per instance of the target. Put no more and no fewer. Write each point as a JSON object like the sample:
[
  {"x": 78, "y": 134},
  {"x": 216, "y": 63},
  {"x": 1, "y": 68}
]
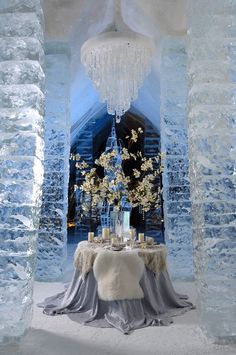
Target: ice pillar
[
  {"x": 212, "y": 136},
  {"x": 52, "y": 237},
  {"x": 153, "y": 218},
  {"x": 174, "y": 144},
  {"x": 84, "y": 147},
  {"x": 21, "y": 154}
]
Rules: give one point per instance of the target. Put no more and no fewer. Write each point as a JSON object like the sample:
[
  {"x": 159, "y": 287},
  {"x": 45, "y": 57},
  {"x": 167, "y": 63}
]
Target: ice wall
[
  {"x": 84, "y": 147},
  {"x": 212, "y": 135},
  {"x": 52, "y": 237},
  {"x": 21, "y": 154},
  {"x": 174, "y": 144},
  {"x": 153, "y": 218}
]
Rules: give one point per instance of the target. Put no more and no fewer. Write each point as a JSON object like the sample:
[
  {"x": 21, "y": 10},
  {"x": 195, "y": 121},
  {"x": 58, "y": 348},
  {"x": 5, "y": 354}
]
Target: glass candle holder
[
  {"x": 132, "y": 234},
  {"x": 114, "y": 241},
  {"x": 141, "y": 237},
  {"x": 105, "y": 233},
  {"x": 90, "y": 237}
]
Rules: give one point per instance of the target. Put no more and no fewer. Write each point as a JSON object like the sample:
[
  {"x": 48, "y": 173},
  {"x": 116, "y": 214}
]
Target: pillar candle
[
  {"x": 132, "y": 233},
  {"x": 141, "y": 237},
  {"x": 113, "y": 241},
  {"x": 90, "y": 236},
  {"x": 105, "y": 233}
]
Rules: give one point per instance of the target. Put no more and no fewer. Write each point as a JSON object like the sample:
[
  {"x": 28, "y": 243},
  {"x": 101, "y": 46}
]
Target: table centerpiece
[{"x": 105, "y": 184}]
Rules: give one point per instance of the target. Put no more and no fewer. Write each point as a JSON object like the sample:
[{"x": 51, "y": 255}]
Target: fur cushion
[{"x": 118, "y": 275}]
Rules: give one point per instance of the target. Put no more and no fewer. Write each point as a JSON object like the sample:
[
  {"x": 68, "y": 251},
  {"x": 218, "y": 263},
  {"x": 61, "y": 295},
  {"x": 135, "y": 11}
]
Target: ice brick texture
[
  {"x": 153, "y": 218},
  {"x": 52, "y": 236},
  {"x": 84, "y": 147},
  {"x": 174, "y": 144},
  {"x": 212, "y": 135},
  {"x": 21, "y": 154}
]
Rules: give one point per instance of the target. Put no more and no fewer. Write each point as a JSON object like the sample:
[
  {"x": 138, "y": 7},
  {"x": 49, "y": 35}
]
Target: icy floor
[{"x": 61, "y": 336}]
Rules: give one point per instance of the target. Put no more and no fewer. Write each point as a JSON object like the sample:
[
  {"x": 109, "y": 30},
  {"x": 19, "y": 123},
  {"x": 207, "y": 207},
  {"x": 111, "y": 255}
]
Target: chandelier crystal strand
[{"x": 117, "y": 62}]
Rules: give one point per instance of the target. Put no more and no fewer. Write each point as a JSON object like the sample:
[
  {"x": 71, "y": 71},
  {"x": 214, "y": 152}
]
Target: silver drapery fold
[{"x": 80, "y": 301}]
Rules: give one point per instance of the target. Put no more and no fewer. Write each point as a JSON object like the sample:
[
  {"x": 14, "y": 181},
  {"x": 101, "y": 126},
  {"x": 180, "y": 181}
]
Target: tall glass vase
[{"x": 116, "y": 224}]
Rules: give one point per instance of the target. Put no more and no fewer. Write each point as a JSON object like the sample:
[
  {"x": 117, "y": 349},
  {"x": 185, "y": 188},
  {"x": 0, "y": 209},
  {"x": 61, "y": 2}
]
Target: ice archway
[
  {"x": 86, "y": 21},
  {"x": 211, "y": 45}
]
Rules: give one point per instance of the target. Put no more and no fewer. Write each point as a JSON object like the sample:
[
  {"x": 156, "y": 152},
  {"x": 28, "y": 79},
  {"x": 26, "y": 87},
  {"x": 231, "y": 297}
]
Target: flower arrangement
[{"x": 113, "y": 187}]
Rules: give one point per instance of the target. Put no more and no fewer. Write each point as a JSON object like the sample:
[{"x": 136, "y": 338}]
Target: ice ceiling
[{"x": 77, "y": 20}]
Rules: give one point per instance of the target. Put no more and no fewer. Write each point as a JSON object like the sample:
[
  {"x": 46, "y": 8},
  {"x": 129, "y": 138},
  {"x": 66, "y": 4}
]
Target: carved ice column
[
  {"x": 84, "y": 147},
  {"x": 174, "y": 143},
  {"x": 52, "y": 240},
  {"x": 212, "y": 136},
  {"x": 153, "y": 218},
  {"x": 21, "y": 154}
]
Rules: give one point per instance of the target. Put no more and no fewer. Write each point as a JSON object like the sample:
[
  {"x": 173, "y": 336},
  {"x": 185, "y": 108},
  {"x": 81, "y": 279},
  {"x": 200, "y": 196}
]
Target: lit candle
[
  {"x": 132, "y": 233},
  {"x": 105, "y": 233},
  {"x": 113, "y": 241},
  {"x": 90, "y": 236},
  {"x": 141, "y": 237}
]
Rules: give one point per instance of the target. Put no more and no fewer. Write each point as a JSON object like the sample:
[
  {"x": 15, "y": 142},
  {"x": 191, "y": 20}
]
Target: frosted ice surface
[
  {"x": 21, "y": 152},
  {"x": 20, "y": 48},
  {"x": 17, "y": 96},
  {"x": 24, "y": 72},
  {"x": 20, "y": 25},
  {"x": 52, "y": 239},
  {"x": 213, "y": 154},
  {"x": 21, "y": 120},
  {"x": 174, "y": 143}
]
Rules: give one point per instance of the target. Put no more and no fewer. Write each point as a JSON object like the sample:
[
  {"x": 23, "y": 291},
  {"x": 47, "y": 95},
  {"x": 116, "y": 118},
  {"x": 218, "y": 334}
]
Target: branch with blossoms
[{"x": 138, "y": 189}]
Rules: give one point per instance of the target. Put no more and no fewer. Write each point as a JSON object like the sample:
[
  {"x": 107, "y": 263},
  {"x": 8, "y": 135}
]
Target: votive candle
[
  {"x": 141, "y": 237},
  {"x": 113, "y": 241},
  {"x": 132, "y": 233},
  {"x": 90, "y": 236},
  {"x": 105, "y": 233}
]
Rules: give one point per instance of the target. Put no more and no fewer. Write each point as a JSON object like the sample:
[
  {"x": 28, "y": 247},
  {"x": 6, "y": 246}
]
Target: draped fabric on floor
[{"x": 81, "y": 302}]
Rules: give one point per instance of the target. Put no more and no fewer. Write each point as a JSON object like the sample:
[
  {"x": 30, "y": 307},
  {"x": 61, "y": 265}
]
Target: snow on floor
[{"x": 59, "y": 335}]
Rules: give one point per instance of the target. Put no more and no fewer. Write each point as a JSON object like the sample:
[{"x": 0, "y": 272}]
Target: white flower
[
  {"x": 133, "y": 156},
  {"x": 81, "y": 165},
  {"x": 136, "y": 173},
  {"x": 134, "y": 135},
  {"x": 125, "y": 154},
  {"x": 141, "y": 191},
  {"x": 147, "y": 164}
]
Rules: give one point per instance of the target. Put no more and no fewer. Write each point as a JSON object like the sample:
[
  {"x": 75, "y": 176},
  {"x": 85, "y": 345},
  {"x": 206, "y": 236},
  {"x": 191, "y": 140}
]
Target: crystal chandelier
[{"x": 117, "y": 62}]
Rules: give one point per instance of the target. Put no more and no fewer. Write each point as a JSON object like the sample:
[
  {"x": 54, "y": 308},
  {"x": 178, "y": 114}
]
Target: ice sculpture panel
[
  {"x": 174, "y": 144},
  {"x": 21, "y": 48},
  {"x": 20, "y": 25},
  {"x": 52, "y": 238},
  {"x": 84, "y": 148},
  {"x": 211, "y": 50},
  {"x": 21, "y": 153}
]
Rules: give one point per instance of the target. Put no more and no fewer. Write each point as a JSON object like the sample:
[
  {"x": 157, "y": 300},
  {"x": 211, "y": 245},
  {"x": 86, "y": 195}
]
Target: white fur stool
[{"x": 118, "y": 275}]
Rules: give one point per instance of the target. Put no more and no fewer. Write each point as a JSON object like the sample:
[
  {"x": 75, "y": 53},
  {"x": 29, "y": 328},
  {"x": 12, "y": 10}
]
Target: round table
[
  {"x": 81, "y": 302},
  {"x": 154, "y": 257}
]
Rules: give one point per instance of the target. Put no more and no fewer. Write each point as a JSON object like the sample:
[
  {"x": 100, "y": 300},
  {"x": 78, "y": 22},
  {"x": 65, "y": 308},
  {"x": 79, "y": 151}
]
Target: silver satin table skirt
[{"x": 80, "y": 301}]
